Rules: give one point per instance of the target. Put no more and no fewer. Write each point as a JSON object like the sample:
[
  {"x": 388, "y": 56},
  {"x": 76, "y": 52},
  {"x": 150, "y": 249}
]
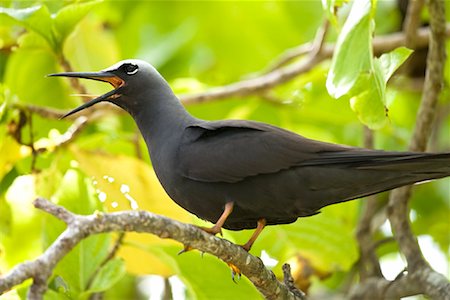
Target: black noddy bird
[{"x": 242, "y": 174}]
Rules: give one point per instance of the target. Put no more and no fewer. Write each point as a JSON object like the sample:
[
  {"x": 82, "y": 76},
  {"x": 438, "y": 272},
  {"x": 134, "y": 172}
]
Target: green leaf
[
  {"x": 32, "y": 41},
  {"x": 35, "y": 18},
  {"x": 77, "y": 194},
  {"x": 69, "y": 16},
  {"x": 26, "y": 77},
  {"x": 369, "y": 93},
  {"x": 108, "y": 275},
  {"x": 195, "y": 270},
  {"x": 369, "y": 105},
  {"x": 325, "y": 239},
  {"x": 389, "y": 62},
  {"x": 353, "y": 52}
]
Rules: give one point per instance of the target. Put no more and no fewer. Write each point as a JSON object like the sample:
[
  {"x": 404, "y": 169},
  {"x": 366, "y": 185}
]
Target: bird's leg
[
  {"x": 217, "y": 228},
  {"x": 261, "y": 224},
  {"x": 247, "y": 246}
]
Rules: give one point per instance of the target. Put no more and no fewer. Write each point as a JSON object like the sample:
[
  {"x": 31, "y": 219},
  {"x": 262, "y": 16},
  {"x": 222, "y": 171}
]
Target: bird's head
[{"x": 128, "y": 77}]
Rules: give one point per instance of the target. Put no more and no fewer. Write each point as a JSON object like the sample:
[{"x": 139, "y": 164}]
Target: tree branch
[
  {"x": 80, "y": 227},
  {"x": 369, "y": 265},
  {"x": 420, "y": 277},
  {"x": 431, "y": 282},
  {"x": 412, "y": 22},
  {"x": 257, "y": 85},
  {"x": 381, "y": 44}
]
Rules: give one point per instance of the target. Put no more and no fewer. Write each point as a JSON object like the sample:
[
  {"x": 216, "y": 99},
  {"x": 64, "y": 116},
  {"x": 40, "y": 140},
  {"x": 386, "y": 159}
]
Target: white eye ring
[{"x": 134, "y": 71}]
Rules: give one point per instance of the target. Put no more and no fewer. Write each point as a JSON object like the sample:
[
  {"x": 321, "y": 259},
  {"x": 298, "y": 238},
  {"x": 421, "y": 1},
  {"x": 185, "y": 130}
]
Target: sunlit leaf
[
  {"x": 77, "y": 194},
  {"x": 327, "y": 241},
  {"x": 353, "y": 52},
  {"x": 68, "y": 17},
  {"x": 391, "y": 61},
  {"x": 195, "y": 270},
  {"x": 35, "y": 18},
  {"x": 27, "y": 78},
  {"x": 369, "y": 100},
  {"x": 137, "y": 188}
]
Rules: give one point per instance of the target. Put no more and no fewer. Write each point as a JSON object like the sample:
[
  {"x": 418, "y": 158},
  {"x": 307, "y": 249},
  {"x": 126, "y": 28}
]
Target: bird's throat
[{"x": 162, "y": 120}]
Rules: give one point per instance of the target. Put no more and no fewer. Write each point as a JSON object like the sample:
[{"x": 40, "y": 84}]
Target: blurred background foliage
[{"x": 195, "y": 45}]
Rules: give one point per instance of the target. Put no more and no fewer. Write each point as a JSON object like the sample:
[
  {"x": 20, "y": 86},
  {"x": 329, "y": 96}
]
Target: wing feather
[{"x": 232, "y": 150}]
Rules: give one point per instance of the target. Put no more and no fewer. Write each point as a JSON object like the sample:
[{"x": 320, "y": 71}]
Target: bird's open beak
[{"x": 104, "y": 76}]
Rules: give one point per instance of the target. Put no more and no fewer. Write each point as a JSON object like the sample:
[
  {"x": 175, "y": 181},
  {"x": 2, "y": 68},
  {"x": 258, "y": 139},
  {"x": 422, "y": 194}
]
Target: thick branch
[{"x": 79, "y": 227}]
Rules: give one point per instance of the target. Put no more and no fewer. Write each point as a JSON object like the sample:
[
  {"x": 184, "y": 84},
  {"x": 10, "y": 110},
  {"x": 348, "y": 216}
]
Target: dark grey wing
[{"x": 229, "y": 151}]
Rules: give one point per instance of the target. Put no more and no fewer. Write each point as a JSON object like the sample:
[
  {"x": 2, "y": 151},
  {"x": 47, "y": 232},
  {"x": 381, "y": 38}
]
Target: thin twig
[
  {"x": 381, "y": 44},
  {"x": 319, "y": 39},
  {"x": 412, "y": 22},
  {"x": 74, "y": 82},
  {"x": 311, "y": 48}
]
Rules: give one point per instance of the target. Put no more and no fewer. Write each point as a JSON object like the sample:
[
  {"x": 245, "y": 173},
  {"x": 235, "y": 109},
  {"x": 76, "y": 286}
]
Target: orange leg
[
  {"x": 261, "y": 224},
  {"x": 217, "y": 228},
  {"x": 247, "y": 246}
]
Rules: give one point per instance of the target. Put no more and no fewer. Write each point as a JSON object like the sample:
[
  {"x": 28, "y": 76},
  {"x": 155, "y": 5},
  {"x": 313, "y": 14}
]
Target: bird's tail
[{"x": 358, "y": 173}]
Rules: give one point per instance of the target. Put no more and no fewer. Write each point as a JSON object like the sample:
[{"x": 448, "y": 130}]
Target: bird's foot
[
  {"x": 235, "y": 272},
  {"x": 212, "y": 230},
  {"x": 217, "y": 228},
  {"x": 185, "y": 249}
]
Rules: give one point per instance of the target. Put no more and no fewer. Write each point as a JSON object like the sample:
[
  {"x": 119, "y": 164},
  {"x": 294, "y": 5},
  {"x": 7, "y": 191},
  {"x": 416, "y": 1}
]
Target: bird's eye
[{"x": 131, "y": 69}]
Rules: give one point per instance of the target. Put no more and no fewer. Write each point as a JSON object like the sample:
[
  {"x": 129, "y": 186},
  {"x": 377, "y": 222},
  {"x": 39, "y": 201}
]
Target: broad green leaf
[
  {"x": 207, "y": 277},
  {"x": 99, "y": 51},
  {"x": 325, "y": 239},
  {"x": 391, "y": 61},
  {"x": 369, "y": 93},
  {"x": 26, "y": 76},
  {"x": 35, "y": 18},
  {"x": 33, "y": 41},
  {"x": 77, "y": 194},
  {"x": 369, "y": 105},
  {"x": 353, "y": 52},
  {"x": 69, "y": 16},
  {"x": 108, "y": 275}
]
